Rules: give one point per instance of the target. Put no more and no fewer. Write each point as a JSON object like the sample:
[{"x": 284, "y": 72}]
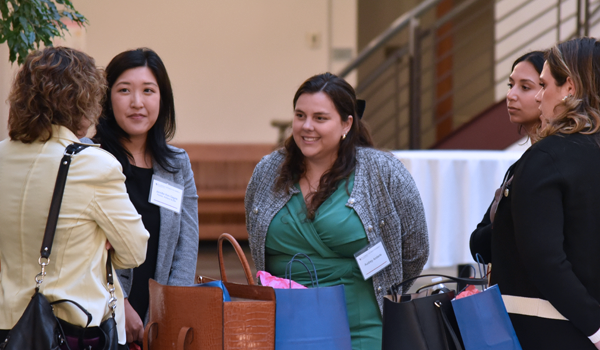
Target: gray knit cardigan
[{"x": 384, "y": 196}]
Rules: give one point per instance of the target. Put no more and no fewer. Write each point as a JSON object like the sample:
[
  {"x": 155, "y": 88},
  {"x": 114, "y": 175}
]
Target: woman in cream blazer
[{"x": 54, "y": 99}]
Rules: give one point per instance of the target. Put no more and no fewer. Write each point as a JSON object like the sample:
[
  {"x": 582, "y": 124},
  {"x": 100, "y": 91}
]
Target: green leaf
[
  {"x": 25, "y": 24},
  {"x": 4, "y": 9}
]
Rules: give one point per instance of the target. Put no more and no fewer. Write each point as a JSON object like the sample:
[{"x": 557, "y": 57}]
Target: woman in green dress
[{"x": 328, "y": 193}]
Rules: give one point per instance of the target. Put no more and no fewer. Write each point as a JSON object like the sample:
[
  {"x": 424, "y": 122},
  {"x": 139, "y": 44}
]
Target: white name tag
[
  {"x": 372, "y": 259},
  {"x": 166, "y": 194}
]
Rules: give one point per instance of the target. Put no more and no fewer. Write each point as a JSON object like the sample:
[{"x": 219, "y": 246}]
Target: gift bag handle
[
  {"x": 240, "y": 254},
  {"x": 289, "y": 268}
]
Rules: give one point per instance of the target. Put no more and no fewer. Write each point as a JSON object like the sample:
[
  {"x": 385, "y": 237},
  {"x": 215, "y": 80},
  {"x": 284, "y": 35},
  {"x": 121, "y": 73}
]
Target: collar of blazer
[{"x": 62, "y": 133}]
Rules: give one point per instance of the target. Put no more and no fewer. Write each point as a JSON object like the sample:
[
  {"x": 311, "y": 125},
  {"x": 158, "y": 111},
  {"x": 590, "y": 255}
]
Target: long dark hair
[
  {"x": 108, "y": 132},
  {"x": 293, "y": 168},
  {"x": 536, "y": 58}
]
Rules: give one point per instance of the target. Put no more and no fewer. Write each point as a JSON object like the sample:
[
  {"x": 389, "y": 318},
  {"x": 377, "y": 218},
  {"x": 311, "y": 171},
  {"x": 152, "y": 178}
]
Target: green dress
[{"x": 330, "y": 240}]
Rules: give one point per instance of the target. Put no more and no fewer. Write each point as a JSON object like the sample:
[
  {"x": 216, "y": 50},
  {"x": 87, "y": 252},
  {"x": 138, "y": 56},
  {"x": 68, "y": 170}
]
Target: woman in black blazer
[
  {"x": 546, "y": 236},
  {"x": 523, "y": 110}
]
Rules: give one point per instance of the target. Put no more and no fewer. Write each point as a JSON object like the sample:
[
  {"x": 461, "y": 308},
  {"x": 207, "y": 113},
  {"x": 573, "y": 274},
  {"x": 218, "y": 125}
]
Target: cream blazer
[{"x": 95, "y": 208}]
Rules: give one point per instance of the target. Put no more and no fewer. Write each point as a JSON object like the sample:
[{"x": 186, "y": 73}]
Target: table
[{"x": 456, "y": 187}]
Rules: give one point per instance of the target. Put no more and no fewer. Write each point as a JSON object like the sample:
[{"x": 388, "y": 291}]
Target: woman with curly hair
[
  {"x": 328, "y": 193},
  {"x": 54, "y": 99},
  {"x": 546, "y": 238}
]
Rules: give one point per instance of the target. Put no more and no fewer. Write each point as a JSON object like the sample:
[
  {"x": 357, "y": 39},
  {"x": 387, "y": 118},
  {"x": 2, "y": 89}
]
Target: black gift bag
[{"x": 422, "y": 321}]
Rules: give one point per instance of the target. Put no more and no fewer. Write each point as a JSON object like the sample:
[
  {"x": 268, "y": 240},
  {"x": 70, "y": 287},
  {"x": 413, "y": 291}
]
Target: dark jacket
[
  {"x": 481, "y": 239},
  {"x": 546, "y": 239}
]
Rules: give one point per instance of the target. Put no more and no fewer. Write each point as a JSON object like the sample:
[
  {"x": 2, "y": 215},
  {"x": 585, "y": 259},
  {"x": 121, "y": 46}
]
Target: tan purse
[{"x": 186, "y": 318}]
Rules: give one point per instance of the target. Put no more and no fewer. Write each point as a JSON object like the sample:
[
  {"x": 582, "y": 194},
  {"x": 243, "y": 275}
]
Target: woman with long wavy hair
[
  {"x": 546, "y": 238},
  {"x": 328, "y": 193}
]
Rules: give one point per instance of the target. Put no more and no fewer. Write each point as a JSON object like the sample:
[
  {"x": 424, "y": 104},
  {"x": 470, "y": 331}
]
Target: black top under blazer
[{"x": 546, "y": 235}]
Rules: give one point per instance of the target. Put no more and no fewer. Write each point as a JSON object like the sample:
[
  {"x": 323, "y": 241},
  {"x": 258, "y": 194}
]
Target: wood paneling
[
  {"x": 222, "y": 173},
  {"x": 491, "y": 130}
]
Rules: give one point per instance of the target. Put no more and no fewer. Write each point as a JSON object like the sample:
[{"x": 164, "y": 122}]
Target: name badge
[
  {"x": 166, "y": 194},
  {"x": 372, "y": 259}
]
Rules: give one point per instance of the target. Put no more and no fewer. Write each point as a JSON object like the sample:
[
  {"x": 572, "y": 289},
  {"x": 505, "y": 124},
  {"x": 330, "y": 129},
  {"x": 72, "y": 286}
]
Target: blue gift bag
[
  {"x": 312, "y": 318},
  {"x": 484, "y": 323}
]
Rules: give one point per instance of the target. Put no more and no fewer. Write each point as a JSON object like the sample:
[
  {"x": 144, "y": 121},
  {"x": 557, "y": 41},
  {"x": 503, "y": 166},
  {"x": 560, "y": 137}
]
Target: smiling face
[
  {"x": 523, "y": 85},
  {"x": 551, "y": 96},
  {"x": 135, "y": 99},
  {"x": 317, "y": 127}
]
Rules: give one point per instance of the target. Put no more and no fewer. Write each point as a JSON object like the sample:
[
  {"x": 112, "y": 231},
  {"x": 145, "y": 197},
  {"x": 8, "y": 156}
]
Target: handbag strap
[
  {"x": 446, "y": 322},
  {"x": 474, "y": 281},
  {"x": 147, "y": 331},
  {"x": 112, "y": 302},
  {"x": 89, "y": 316},
  {"x": 59, "y": 189},
  {"x": 240, "y": 254},
  {"x": 57, "y": 195},
  {"x": 182, "y": 337}
]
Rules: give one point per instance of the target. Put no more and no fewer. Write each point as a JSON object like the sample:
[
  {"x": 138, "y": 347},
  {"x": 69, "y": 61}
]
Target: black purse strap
[
  {"x": 446, "y": 322},
  {"x": 57, "y": 195},
  {"x": 474, "y": 281},
  {"x": 112, "y": 302},
  {"x": 89, "y": 316},
  {"x": 59, "y": 189}
]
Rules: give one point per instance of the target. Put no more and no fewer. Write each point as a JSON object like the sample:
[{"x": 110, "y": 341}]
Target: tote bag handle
[{"x": 240, "y": 254}]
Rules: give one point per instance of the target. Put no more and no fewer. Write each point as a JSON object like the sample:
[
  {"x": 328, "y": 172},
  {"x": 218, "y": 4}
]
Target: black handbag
[
  {"x": 422, "y": 321},
  {"x": 38, "y": 328}
]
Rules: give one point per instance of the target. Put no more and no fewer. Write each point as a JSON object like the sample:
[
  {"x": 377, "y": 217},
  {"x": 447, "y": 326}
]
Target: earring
[
  {"x": 565, "y": 98},
  {"x": 344, "y": 137}
]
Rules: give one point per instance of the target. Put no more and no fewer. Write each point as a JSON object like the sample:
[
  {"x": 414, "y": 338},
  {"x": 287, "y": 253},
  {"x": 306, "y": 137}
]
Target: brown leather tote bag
[{"x": 189, "y": 318}]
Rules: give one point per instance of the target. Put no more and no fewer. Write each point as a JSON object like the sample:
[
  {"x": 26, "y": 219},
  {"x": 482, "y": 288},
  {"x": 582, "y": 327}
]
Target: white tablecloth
[{"x": 456, "y": 187}]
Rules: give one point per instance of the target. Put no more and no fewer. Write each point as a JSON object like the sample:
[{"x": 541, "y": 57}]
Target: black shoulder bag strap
[
  {"x": 59, "y": 190},
  {"x": 44, "y": 260}
]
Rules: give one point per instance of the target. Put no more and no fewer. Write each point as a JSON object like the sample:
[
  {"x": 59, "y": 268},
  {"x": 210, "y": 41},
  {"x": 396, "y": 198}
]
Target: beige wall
[
  {"x": 234, "y": 64},
  {"x": 6, "y": 75},
  {"x": 526, "y": 29}
]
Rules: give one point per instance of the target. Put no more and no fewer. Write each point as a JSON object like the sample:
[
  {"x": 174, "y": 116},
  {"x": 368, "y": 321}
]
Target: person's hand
[
  {"x": 597, "y": 345},
  {"x": 134, "y": 327},
  {"x": 108, "y": 245}
]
